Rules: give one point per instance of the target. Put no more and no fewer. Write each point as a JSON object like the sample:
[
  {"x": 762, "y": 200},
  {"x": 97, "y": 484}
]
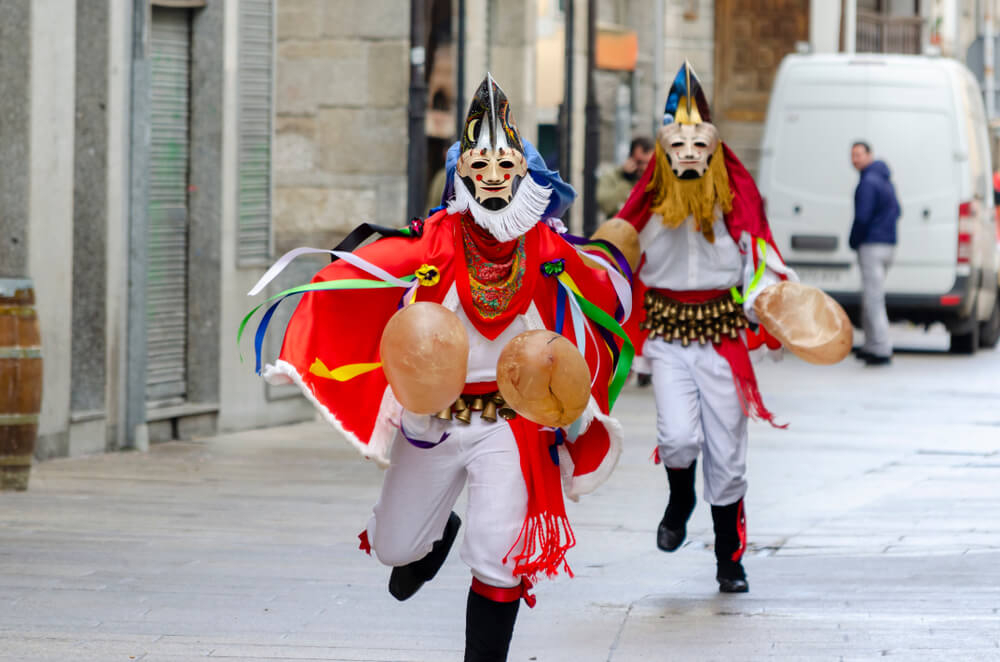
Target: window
[{"x": 256, "y": 76}]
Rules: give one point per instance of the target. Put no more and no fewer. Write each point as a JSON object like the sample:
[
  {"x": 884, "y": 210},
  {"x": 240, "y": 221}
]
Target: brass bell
[
  {"x": 716, "y": 338},
  {"x": 677, "y": 333},
  {"x": 490, "y": 411},
  {"x": 702, "y": 339},
  {"x": 685, "y": 342},
  {"x": 444, "y": 414},
  {"x": 699, "y": 313},
  {"x": 465, "y": 415},
  {"x": 733, "y": 333},
  {"x": 460, "y": 404},
  {"x": 506, "y": 413},
  {"x": 725, "y": 326},
  {"x": 477, "y": 404},
  {"x": 659, "y": 330}
]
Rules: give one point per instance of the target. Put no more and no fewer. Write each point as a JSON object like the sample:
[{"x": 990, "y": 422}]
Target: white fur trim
[
  {"x": 507, "y": 224},
  {"x": 283, "y": 372}
]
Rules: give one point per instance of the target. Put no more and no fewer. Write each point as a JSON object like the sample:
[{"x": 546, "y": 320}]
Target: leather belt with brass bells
[
  {"x": 490, "y": 404},
  {"x": 689, "y": 322}
]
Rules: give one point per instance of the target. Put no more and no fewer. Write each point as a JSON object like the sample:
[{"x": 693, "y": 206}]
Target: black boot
[
  {"x": 488, "y": 628},
  {"x": 406, "y": 580},
  {"x": 730, "y": 542},
  {"x": 673, "y": 527}
]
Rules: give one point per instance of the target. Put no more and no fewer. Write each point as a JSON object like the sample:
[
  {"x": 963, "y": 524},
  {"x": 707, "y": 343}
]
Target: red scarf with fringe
[{"x": 546, "y": 535}]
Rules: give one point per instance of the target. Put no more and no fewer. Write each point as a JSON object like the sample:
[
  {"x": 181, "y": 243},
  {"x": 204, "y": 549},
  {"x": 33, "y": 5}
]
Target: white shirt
[
  {"x": 681, "y": 259},
  {"x": 483, "y": 353}
]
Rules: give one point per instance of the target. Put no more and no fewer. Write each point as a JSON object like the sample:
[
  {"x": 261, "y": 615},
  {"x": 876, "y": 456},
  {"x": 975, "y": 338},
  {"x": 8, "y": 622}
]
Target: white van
[{"x": 924, "y": 117}]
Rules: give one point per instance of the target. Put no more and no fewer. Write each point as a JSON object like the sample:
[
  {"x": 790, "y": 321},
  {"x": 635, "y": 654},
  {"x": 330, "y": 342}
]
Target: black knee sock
[
  {"x": 682, "y": 498},
  {"x": 730, "y": 539},
  {"x": 488, "y": 628}
]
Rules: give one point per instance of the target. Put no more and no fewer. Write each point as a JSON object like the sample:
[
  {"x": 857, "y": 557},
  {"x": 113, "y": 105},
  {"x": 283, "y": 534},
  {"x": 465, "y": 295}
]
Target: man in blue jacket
[{"x": 873, "y": 236}]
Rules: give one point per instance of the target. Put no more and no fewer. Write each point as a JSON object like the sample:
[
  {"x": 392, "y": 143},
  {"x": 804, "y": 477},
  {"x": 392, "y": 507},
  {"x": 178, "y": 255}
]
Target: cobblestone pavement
[{"x": 874, "y": 524}]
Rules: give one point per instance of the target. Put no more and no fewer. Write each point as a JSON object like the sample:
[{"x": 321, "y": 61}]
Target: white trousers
[
  {"x": 422, "y": 485},
  {"x": 697, "y": 409},
  {"x": 874, "y": 260}
]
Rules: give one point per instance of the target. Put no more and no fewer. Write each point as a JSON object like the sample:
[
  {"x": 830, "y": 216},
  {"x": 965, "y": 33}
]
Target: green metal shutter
[
  {"x": 256, "y": 69},
  {"x": 167, "y": 240}
]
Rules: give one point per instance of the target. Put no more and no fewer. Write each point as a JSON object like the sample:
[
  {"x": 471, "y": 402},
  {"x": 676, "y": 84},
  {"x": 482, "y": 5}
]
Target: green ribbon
[
  {"x": 608, "y": 322},
  {"x": 755, "y": 281}
]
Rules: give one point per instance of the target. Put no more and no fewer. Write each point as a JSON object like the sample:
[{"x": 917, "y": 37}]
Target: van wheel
[
  {"x": 989, "y": 331},
  {"x": 966, "y": 343}
]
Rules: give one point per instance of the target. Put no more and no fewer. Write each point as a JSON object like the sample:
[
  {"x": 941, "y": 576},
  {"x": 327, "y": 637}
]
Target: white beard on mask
[{"x": 520, "y": 215}]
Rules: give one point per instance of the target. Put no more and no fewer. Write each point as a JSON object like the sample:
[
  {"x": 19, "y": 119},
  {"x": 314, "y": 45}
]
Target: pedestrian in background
[
  {"x": 614, "y": 186},
  {"x": 873, "y": 236}
]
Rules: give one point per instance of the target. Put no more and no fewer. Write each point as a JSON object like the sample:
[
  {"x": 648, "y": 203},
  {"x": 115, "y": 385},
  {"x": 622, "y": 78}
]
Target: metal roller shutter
[
  {"x": 167, "y": 241},
  {"x": 256, "y": 30}
]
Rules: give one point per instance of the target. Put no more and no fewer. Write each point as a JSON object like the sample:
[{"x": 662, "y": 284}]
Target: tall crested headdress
[
  {"x": 686, "y": 102},
  {"x": 490, "y": 123}
]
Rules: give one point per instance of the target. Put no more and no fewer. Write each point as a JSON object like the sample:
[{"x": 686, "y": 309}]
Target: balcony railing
[{"x": 879, "y": 33}]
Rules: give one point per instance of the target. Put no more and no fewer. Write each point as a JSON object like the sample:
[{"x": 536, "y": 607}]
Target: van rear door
[{"x": 907, "y": 114}]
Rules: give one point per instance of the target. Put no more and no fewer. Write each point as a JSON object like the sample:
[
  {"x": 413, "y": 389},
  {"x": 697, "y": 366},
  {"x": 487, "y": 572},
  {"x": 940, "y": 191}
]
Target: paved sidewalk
[{"x": 874, "y": 525}]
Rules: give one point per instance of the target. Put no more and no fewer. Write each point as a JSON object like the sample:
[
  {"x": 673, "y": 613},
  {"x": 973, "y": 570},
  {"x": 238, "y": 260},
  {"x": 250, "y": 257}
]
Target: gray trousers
[{"x": 875, "y": 260}]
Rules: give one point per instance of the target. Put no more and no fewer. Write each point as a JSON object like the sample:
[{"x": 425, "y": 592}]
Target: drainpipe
[
  {"x": 850, "y": 25},
  {"x": 659, "y": 88},
  {"x": 416, "y": 187},
  {"x": 592, "y": 134}
]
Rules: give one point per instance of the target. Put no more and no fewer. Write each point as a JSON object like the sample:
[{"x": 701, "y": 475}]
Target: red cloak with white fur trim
[{"x": 345, "y": 327}]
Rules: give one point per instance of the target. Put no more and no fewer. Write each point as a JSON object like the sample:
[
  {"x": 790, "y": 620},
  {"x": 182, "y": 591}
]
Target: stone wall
[
  {"x": 690, "y": 36},
  {"x": 341, "y": 118}
]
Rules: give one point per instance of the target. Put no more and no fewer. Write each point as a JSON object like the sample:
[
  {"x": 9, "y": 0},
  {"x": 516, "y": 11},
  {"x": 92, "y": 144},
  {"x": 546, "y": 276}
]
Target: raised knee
[{"x": 391, "y": 552}]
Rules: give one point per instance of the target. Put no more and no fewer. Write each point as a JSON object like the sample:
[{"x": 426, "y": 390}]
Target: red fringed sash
[{"x": 546, "y": 535}]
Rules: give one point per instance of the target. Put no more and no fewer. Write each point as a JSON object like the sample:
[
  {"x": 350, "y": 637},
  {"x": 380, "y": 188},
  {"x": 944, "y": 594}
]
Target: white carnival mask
[{"x": 689, "y": 147}]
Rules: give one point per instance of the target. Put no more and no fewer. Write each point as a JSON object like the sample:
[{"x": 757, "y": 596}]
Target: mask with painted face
[
  {"x": 689, "y": 147},
  {"x": 492, "y": 163},
  {"x": 690, "y": 178},
  {"x": 492, "y": 182}
]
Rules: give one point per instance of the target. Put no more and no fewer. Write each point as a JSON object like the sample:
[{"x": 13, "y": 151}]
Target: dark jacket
[{"x": 875, "y": 207}]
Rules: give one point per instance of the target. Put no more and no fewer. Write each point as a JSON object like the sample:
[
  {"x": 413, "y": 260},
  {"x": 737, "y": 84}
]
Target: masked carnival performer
[
  {"x": 707, "y": 253},
  {"x": 489, "y": 270}
]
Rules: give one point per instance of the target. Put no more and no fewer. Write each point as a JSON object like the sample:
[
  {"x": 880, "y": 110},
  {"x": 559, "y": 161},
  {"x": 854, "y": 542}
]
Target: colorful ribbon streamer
[
  {"x": 758, "y": 274},
  {"x": 623, "y": 362},
  {"x": 345, "y": 284}
]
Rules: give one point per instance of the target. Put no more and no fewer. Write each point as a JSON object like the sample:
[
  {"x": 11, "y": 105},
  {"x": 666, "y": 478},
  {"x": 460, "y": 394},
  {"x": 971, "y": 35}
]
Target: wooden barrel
[{"x": 20, "y": 381}]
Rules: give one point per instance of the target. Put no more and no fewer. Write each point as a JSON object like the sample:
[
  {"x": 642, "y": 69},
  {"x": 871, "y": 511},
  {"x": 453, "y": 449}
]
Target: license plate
[{"x": 821, "y": 277}]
